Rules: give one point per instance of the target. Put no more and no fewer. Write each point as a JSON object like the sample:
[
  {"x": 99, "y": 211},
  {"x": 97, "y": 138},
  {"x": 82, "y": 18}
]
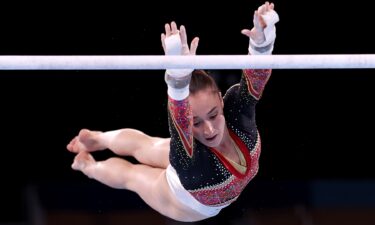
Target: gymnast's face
[{"x": 208, "y": 117}]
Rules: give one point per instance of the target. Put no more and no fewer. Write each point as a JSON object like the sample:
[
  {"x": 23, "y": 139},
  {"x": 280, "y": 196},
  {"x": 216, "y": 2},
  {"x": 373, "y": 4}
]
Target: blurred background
[{"x": 317, "y": 126}]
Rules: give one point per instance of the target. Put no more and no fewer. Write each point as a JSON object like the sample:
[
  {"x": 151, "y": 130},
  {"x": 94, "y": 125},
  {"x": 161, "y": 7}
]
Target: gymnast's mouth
[{"x": 210, "y": 139}]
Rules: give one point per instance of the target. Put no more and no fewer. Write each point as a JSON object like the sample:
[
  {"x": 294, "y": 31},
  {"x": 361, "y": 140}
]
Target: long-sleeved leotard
[{"x": 204, "y": 172}]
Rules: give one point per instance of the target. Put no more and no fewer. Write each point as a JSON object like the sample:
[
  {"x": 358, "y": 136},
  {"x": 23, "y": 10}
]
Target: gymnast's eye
[
  {"x": 197, "y": 123},
  {"x": 213, "y": 116}
]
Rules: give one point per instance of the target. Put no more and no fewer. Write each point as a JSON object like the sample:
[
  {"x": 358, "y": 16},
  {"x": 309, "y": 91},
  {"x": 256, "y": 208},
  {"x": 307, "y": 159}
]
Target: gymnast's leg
[
  {"x": 153, "y": 151},
  {"x": 148, "y": 182}
]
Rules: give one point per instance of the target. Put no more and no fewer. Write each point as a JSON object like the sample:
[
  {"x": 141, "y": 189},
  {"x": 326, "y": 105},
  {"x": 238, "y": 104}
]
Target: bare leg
[
  {"x": 148, "y": 182},
  {"x": 153, "y": 151}
]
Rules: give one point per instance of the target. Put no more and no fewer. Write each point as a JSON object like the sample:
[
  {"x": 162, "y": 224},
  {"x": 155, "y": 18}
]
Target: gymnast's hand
[
  {"x": 261, "y": 15},
  {"x": 174, "y": 41}
]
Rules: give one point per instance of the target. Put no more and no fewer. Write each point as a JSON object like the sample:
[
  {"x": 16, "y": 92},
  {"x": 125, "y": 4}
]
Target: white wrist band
[
  {"x": 178, "y": 88},
  {"x": 178, "y": 93},
  {"x": 178, "y": 73}
]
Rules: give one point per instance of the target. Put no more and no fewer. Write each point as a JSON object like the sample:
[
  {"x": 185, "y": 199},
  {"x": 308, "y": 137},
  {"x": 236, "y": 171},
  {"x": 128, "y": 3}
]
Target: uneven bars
[{"x": 159, "y": 62}]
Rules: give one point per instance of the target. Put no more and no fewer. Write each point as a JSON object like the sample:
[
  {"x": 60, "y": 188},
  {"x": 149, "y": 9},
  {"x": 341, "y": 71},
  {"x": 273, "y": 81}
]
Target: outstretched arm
[
  {"x": 174, "y": 42},
  {"x": 261, "y": 42}
]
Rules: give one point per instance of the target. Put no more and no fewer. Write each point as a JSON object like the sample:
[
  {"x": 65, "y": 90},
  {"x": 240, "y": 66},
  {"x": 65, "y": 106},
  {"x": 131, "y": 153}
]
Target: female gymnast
[{"x": 214, "y": 147}]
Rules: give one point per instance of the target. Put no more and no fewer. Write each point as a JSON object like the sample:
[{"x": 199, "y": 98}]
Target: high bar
[{"x": 160, "y": 62}]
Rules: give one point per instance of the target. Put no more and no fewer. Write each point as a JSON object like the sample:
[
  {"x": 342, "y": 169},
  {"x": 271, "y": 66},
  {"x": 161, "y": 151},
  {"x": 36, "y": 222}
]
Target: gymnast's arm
[
  {"x": 261, "y": 42},
  {"x": 174, "y": 42}
]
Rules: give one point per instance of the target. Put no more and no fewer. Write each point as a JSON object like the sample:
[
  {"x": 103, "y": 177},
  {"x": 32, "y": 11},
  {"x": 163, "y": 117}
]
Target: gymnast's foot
[
  {"x": 83, "y": 161},
  {"x": 87, "y": 141}
]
